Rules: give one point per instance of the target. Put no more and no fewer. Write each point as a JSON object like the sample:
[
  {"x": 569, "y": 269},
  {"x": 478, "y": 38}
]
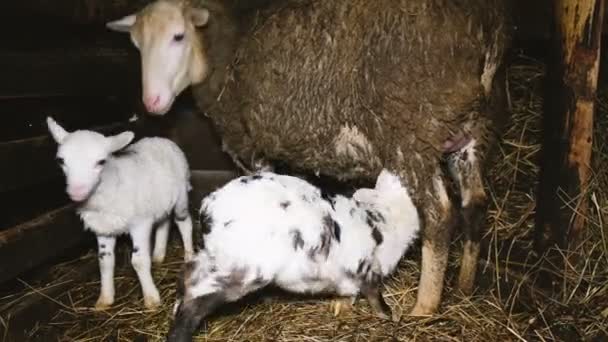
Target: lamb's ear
[
  {"x": 199, "y": 16},
  {"x": 57, "y": 131},
  {"x": 123, "y": 24},
  {"x": 388, "y": 181},
  {"x": 120, "y": 141}
]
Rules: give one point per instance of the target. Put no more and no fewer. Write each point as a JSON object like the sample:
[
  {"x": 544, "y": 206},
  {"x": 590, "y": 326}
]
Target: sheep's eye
[
  {"x": 178, "y": 37},
  {"x": 59, "y": 160},
  {"x": 101, "y": 162}
]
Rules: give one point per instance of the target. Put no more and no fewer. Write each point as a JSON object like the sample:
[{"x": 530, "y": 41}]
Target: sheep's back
[{"x": 345, "y": 87}]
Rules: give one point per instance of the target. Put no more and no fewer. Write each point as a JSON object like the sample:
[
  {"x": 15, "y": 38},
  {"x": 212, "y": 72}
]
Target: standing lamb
[
  {"x": 345, "y": 89},
  {"x": 122, "y": 190},
  {"x": 275, "y": 229}
]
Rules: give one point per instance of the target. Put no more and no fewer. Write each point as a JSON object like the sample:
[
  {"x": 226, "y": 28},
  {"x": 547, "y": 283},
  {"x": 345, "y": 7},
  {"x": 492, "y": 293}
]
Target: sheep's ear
[
  {"x": 199, "y": 16},
  {"x": 122, "y": 25},
  {"x": 57, "y": 131},
  {"x": 120, "y": 141}
]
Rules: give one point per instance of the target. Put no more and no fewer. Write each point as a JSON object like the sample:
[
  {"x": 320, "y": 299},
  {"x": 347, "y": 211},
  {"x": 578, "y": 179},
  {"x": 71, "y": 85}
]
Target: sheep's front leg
[
  {"x": 105, "y": 247},
  {"x": 160, "y": 242},
  {"x": 140, "y": 259},
  {"x": 439, "y": 221}
]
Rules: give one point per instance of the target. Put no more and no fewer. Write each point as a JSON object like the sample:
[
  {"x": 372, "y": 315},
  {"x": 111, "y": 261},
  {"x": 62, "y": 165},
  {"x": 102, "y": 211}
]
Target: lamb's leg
[
  {"x": 140, "y": 259},
  {"x": 465, "y": 168},
  {"x": 184, "y": 224},
  {"x": 371, "y": 289},
  {"x": 105, "y": 246},
  {"x": 439, "y": 219},
  {"x": 160, "y": 242},
  {"x": 189, "y": 315}
]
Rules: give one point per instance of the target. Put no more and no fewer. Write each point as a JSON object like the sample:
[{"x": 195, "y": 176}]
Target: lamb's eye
[
  {"x": 59, "y": 161},
  {"x": 101, "y": 162},
  {"x": 178, "y": 37}
]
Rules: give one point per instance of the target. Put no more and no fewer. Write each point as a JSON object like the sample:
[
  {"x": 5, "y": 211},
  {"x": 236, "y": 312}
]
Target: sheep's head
[
  {"x": 82, "y": 155},
  {"x": 171, "y": 52}
]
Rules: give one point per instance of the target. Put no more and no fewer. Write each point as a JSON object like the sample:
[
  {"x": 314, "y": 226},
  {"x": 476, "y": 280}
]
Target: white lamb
[
  {"x": 122, "y": 190},
  {"x": 276, "y": 229}
]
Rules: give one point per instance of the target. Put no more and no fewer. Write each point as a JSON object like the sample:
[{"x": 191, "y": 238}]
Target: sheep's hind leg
[
  {"x": 465, "y": 168},
  {"x": 105, "y": 246},
  {"x": 140, "y": 259},
  {"x": 439, "y": 219},
  {"x": 160, "y": 242}
]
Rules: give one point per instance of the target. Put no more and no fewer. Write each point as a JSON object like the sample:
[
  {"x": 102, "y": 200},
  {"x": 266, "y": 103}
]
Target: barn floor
[{"x": 509, "y": 304}]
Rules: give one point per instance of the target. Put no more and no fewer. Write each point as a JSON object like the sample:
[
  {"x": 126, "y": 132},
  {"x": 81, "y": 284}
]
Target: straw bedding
[{"x": 507, "y": 306}]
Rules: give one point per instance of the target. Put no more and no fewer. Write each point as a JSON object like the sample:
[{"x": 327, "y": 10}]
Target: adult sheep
[{"x": 344, "y": 89}]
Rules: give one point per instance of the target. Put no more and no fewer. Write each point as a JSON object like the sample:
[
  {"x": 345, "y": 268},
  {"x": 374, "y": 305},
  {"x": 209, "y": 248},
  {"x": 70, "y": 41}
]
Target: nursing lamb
[
  {"x": 122, "y": 189},
  {"x": 275, "y": 229},
  {"x": 345, "y": 89}
]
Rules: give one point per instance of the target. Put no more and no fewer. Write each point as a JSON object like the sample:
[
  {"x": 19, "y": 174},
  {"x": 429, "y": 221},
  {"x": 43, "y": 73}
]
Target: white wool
[
  {"x": 253, "y": 228},
  {"x": 126, "y": 190},
  {"x": 144, "y": 183}
]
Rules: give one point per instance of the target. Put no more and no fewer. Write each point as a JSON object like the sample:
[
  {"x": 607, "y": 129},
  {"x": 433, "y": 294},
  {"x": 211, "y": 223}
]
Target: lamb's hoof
[
  {"x": 158, "y": 258},
  {"x": 394, "y": 317},
  {"x": 103, "y": 303},
  {"x": 388, "y": 314},
  {"x": 341, "y": 305},
  {"x": 152, "y": 302},
  {"x": 188, "y": 256},
  {"x": 421, "y": 311}
]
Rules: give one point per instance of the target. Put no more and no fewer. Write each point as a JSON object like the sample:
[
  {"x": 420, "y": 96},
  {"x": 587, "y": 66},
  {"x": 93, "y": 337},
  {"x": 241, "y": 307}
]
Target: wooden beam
[
  {"x": 30, "y": 244},
  {"x": 28, "y": 162},
  {"x": 570, "y": 98}
]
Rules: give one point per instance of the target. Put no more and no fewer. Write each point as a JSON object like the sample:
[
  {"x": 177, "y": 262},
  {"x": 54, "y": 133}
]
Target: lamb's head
[
  {"x": 171, "y": 53},
  {"x": 82, "y": 155}
]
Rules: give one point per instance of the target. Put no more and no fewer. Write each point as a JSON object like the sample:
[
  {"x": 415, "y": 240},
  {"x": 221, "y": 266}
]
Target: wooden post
[{"x": 569, "y": 106}]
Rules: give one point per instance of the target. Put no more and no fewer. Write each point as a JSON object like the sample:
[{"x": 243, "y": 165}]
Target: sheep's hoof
[
  {"x": 152, "y": 302},
  {"x": 103, "y": 303},
  {"x": 421, "y": 311},
  {"x": 341, "y": 305}
]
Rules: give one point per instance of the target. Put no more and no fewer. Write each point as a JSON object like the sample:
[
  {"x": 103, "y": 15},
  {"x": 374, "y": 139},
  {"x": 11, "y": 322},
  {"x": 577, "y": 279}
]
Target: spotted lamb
[{"x": 275, "y": 229}]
